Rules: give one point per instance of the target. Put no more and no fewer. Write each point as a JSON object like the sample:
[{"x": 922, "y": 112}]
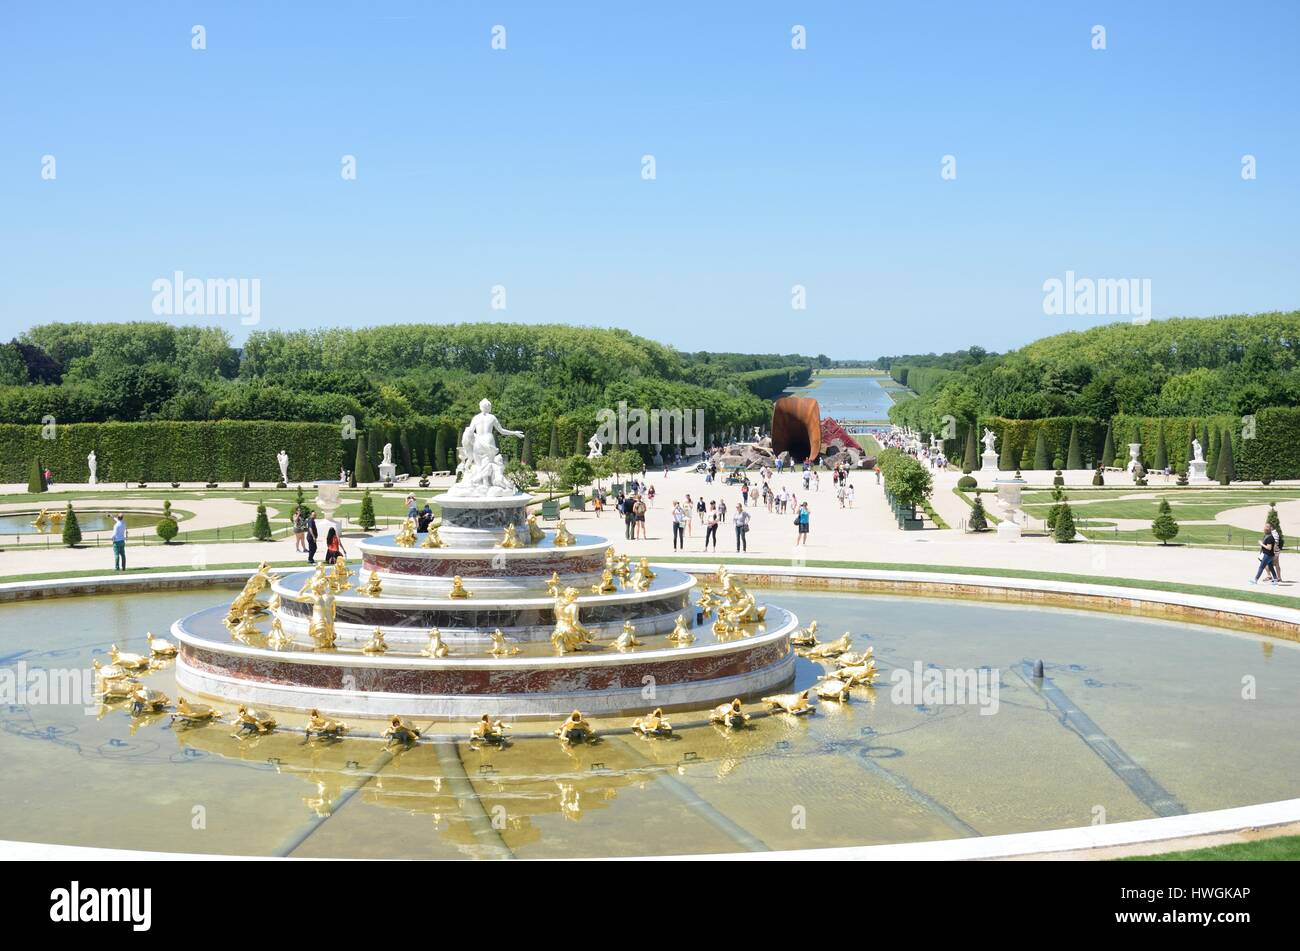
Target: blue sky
[{"x": 775, "y": 167}]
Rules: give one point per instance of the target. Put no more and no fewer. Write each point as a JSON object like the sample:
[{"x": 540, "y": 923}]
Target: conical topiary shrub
[
  {"x": 970, "y": 460},
  {"x": 1073, "y": 457},
  {"x": 1108, "y": 448},
  {"x": 1064, "y": 530},
  {"x": 1162, "y": 452},
  {"x": 36, "y": 478},
  {"x": 262, "y": 525},
  {"x": 978, "y": 519},
  {"x": 1226, "y": 469},
  {"x": 1164, "y": 527},
  {"x": 1041, "y": 461},
  {"x": 367, "y": 517},
  {"x": 71, "y": 528}
]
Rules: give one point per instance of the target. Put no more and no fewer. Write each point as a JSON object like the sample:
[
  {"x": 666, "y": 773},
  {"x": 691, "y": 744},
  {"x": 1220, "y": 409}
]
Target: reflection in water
[{"x": 1122, "y": 697}]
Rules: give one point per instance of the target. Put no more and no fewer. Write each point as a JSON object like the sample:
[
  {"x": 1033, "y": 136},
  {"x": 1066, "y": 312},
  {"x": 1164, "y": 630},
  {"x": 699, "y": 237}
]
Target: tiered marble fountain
[{"x": 485, "y": 614}]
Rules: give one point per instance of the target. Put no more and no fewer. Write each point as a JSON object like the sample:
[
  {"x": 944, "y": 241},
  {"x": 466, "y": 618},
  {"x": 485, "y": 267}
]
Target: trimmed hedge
[{"x": 175, "y": 451}]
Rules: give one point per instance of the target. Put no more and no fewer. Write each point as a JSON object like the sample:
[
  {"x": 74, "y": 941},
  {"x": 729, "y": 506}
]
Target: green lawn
[
  {"x": 1283, "y": 848},
  {"x": 1096, "y": 508}
]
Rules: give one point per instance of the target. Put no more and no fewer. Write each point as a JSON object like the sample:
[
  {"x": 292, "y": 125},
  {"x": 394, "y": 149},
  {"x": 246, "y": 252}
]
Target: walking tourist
[
  {"x": 333, "y": 547},
  {"x": 711, "y": 532},
  {"x": 1267, "y": 548},
  {"x": 741, "y": 521},
  {"x": 299, "y": 529},
  {"x": 1277, "y": 553},
  {"x": 638, "y": 508},
  {"x": 629, "y": 519},
  {"x": 679, "y": 526},
  {"x": 801, "y": 523},
  {"x": 312, "y": 535},
  {"x": 119, "y": 542}
]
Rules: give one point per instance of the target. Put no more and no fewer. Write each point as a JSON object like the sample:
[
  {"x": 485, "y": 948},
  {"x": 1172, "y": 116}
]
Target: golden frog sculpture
[
  {"x": 606, "y": 583},
  {"x": 535, "y": 533},
  {"x": 399, "y": 731},
  {"x": 681, "y": 634},
  {"x": 374, "y": 585},
  {"x": 458, "y": 589},
  {"x": 643, "y": 566},
  {"x": 190, "y": 713},
  {"x": 339, "y": 577},
  {"x": 323, "y": 609},
  {"x": 794, "y": 703},
  {"x": 247, "y": 630},
  {"x": 321, "y": 726},
  {"x": 376, "y": 644},
  {"x": 553, "y": 584},
  {"x": 623, "y": 568},
  {"x": 278, "y": 640},
  {"x": 159, "y": 647},
  {"x": 575, "y": 729},
  {"x": 569, "y": 633},
  {"x": 500, "y": 647},
  {"x": 563, "y": 537},
  {"x": 707, "y": 601},
  {"x": 729, "y": 715},
  {"x": 406, "y": 535},
  {"x": 639, "y": 581},
  {"x": 511, "y": 539},
  {"x": 832, "y": 648},
  {"x": 436, "y": 646},
  {"x": 248, "y": 720},
  {"x": 652, "y": 725},
  {"x": 487, "y": 730},
  {"x": 627, "y": 640},
  {"x": 433, "y": 538}
]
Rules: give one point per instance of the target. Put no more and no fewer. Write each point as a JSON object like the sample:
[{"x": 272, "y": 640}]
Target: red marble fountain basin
[
  {"x": 483, "y": 564},
  {"x": 597, "y": 683}
]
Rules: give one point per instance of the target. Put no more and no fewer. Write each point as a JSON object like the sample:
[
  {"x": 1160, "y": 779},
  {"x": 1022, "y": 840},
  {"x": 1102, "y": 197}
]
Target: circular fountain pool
[{"x": 1134, "y": 719}]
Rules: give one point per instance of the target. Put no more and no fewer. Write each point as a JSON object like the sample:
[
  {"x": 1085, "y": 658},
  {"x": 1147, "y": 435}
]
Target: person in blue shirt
[
  {"x": 801, "y": 520},
  {"x": 119, "y": 542}
]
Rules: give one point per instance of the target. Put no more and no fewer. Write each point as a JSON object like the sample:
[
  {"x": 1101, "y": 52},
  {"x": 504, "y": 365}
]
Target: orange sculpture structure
[{"x": 797, "y": 427}]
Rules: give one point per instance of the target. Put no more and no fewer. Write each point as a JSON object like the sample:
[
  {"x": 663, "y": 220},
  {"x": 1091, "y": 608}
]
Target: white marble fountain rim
[
  {"x": 377, "y": 547},
  {"x": 584, "y": 600},
  {"x": 418, "y": 662}
]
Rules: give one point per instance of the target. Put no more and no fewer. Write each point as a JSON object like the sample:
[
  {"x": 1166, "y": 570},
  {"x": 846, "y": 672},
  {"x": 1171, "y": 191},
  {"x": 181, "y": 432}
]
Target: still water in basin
[
  {"x": 1135, "y": 718},
  {"x": 21, "y": 524}
]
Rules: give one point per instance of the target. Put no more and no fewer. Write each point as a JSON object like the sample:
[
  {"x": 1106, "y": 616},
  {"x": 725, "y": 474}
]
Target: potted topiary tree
[{"x": 167, "y": 528}]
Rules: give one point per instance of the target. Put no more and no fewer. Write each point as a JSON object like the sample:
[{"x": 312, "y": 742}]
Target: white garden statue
[
  {"x": 93, "y": 463},
  {"x": 1197, "y": 451},
  {"x": 388, "y": 454},
  {"x": 282, "y": 458},
  {"x": 989, "y": 439},
  {"x": 483, "y": 471},
  {"x": 594, "y": 448}
]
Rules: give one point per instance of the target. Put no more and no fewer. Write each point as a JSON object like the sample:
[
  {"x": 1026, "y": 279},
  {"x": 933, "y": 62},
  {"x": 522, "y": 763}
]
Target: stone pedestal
[
  {"x": 1008, "y": 531},
  {"x": 1196, "y": 471},
  {"x": 481, "y": 522},
  {"x": 387, "y": 472},
  {"x": 989, "y": 461}
]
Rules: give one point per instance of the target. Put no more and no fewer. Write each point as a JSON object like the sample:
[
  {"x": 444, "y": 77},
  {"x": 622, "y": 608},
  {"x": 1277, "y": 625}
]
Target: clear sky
[{"x": 774, "y": 166}]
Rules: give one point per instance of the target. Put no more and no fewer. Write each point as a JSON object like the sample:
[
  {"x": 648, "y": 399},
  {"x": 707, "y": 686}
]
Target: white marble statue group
[{"x": 481, "y": 468}]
